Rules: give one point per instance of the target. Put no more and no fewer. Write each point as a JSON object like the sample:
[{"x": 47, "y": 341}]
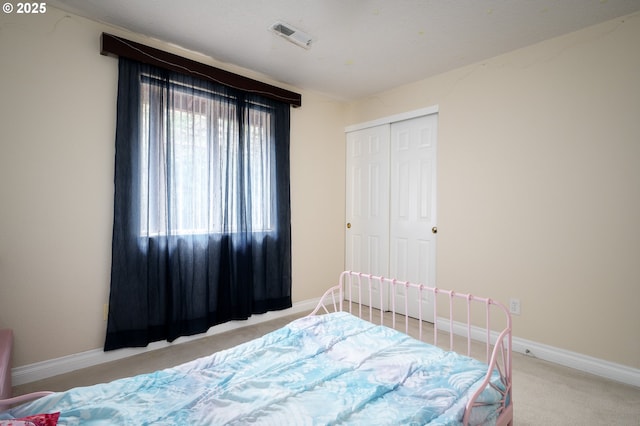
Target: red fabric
[{"x": 35, "y": 420}]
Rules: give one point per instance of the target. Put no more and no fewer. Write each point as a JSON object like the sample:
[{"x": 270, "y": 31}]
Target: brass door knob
[
  {"x": 434, "y": 230},
  {"x": 348, "y": 225}
]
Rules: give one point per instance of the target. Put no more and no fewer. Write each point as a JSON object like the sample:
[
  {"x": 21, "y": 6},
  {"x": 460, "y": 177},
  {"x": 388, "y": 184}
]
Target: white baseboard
[
  {"x": 53, "y": 367},
  {"x": 42, "y": 370},
  {"x": 599, "y": 367}
]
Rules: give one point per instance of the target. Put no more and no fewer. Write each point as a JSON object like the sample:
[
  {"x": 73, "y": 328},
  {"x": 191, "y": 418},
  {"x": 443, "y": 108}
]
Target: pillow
[{"x": 35, "y": 420}]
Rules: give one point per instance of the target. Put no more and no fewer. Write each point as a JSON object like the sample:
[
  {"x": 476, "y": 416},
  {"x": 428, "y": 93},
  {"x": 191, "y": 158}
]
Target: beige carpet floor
[{"x": 545, "y": 394}]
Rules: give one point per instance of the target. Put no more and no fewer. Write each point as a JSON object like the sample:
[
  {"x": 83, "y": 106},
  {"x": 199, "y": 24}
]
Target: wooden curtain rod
[{"x": 117, "y": 46}]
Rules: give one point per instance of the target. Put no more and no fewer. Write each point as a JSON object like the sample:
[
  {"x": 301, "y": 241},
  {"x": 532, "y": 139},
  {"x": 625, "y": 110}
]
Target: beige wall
[
  {"x": 317, "y": 195},
  {"x": 539, "y": 184},
  {"x": 57, "y": 124}
]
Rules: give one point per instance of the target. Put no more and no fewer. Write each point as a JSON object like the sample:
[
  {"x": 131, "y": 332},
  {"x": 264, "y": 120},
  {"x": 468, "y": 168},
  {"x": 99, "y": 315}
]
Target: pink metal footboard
[{"x": 479, "y": 324}]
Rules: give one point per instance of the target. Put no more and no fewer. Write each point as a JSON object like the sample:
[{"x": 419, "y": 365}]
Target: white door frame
[{"x": 394, "y": 118}]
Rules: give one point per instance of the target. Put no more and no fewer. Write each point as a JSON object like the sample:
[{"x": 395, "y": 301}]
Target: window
[{"x": 194, "y": 163}]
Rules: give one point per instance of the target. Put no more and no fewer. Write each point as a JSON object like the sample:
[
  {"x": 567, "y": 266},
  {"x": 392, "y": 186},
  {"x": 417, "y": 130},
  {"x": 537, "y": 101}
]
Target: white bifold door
[
  {"x": 367, "y": 204},
  {"x": 391, "y": 208}
]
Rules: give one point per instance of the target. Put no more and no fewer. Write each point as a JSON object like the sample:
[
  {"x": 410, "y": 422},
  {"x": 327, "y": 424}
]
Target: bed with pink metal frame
[
  {"x": 346, "y": 362},
  {"x": 452, "y": 319}
]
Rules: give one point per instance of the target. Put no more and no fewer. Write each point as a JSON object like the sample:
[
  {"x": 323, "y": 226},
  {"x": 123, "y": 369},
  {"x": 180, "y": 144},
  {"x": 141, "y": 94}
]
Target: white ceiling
[{"x": 359, "y": 47}]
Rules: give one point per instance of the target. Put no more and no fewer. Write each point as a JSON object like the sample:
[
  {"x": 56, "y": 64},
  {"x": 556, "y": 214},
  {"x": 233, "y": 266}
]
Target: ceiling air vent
[{"x": 292, "y": 34}]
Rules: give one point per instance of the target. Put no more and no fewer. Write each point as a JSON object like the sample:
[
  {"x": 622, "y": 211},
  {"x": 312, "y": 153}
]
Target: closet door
[
  {"x": 367, "y": 205},
  {"x": 413, "y": 208}
]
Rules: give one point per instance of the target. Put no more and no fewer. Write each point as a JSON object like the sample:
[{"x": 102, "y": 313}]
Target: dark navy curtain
[{"x": 201, "y": 230}]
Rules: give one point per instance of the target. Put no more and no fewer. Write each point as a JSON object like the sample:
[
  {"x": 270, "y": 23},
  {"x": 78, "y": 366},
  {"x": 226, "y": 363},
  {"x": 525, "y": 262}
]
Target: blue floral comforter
[{"x": 326, "y": 369}]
